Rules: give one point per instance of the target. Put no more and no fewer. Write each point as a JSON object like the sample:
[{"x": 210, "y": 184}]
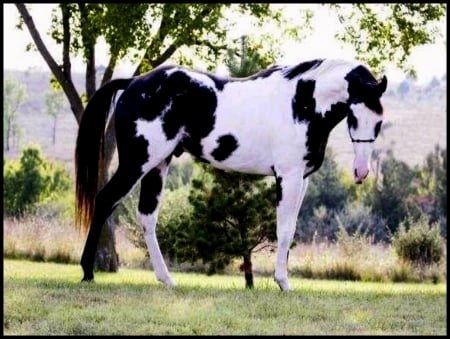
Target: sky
[{"x": 429, "y": 60}]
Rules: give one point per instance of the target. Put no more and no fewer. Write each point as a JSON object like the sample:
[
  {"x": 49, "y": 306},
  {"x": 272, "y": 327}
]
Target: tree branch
[
  {"x": 107, "y": 76},
  {"x": 164, "y": 56},
  {"x": 157, "y": 43},
  {"x": 67, "y": 67},
  {"x": 66, "y": 83},
  {"x": 89, "y": 51}
]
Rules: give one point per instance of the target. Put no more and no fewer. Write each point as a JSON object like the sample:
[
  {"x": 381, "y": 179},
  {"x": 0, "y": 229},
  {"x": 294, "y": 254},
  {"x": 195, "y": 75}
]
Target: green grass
[{"x": 48, "y": 299}]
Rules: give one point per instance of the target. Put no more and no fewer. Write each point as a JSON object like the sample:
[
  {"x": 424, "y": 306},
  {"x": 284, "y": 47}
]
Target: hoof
[
  {"x": 87, "y": 279},
  {"x": 168, "y": 282},
  {"x": 283, "y": 284}
]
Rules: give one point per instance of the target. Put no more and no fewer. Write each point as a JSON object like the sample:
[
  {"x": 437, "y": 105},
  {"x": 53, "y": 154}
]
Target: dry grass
[
  {"x": 370, "y": 262},
  {"x": 351, "y": 258},
  {"x": 41, "y": 239}
]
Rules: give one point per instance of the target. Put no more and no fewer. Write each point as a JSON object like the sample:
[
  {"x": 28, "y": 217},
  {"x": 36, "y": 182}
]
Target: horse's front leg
[
  {"x": 291, "y": 191},
  {"x": 152, "y": 186}
]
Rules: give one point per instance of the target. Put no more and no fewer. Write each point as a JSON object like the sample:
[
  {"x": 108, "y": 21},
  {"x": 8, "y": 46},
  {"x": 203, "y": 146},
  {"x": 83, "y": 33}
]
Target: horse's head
[{"x": 365, "y": 116}]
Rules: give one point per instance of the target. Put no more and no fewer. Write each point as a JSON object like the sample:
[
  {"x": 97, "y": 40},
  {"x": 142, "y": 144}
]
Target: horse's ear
[{"x": 382, "y": 85}]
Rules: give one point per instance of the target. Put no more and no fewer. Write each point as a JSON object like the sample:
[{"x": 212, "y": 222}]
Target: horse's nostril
[{"x": 356, "y": 173}]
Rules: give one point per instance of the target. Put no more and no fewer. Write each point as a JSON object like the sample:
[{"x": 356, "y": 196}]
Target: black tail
[{"x": 89, "y": 149}]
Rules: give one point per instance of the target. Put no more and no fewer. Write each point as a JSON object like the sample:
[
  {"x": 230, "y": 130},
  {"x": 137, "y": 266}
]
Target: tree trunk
[
  {"x": 8, "y": 132},
  {"x": 248, "y": 272},
  {"x": 54, "y": 131},
  {"x": 106, "y": 257}
]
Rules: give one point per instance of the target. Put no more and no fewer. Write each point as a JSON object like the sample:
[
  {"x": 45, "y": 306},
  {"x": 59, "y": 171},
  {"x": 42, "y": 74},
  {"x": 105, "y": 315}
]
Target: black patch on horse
[
  {"x": 146, "y": 96},
  {"x": 303, "y": 103},
  {"x": 302, "y": 68},
  {"x": 192, "y": 106},
  {"x": 279, "y": 189},
  {"x": 219, "y": 82},
  {"x": 152, "y": 185},
  {"x": 194, "y": 147},
  {"x": 319, "y": 127},
  {"x": 352, "y": 122},
  {"x": 227, "y": 144},
  {"x": 127, "y": 139},
  {"x": 265, "y": 73},
  {"x": 377, "y": 128},
  {"x": 362, "y": 88},
  {"x": 317, "y": 134}
]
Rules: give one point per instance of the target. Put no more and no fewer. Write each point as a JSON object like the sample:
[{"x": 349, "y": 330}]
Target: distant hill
[{"x": 415, "y": 121}]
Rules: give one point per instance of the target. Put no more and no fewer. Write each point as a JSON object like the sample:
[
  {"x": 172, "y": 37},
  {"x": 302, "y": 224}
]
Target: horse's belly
[{"x": 241, "y": 157}]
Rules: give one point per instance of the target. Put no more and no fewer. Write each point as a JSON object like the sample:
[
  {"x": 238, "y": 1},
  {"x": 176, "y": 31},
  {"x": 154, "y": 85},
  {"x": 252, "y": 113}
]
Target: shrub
[
  {"x": 31, "y": 180},
  {"x": 421, "y": 243},
  {"x": 358, "y": 219}
]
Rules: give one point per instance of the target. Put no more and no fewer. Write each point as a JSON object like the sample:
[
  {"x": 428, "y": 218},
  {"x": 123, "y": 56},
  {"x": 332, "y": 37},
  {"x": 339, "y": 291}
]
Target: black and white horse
[{"x": 276, "y": 122}]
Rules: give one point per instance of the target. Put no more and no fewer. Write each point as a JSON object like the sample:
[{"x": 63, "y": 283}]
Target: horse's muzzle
[{"x": 359, "y": 176}]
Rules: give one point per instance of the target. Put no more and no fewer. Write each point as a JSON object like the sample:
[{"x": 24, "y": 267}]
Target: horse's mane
[{"x": 317, "y": 67}]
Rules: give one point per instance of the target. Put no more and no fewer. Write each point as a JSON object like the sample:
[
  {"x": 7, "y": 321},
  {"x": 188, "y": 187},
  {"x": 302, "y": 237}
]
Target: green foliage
[
  {"x": 397, "y": 192},
  {"x": 404, "y": 192},
  {"x": 328, "y": 192},
  {"x": 419, "y": 242},
  {"x": 179, "y": 174},
  {"x": 390, "y": 198},
  {"x": 357, "y": 218},
  {"x": 31, "y": 181},
  {"x": 388, "y": 32},
  {"x": 433, "y": 183},
  {"x": 245, "y": 60},
  {"x": 232, "y": 214}
]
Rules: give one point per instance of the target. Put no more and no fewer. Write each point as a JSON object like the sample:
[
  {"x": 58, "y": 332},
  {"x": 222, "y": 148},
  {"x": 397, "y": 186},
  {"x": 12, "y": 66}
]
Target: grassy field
[{"x": 47, "y": 299}]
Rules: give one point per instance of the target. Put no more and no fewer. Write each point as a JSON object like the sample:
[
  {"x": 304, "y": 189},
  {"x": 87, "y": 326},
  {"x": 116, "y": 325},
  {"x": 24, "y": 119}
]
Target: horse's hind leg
[
  {"x": 152, "y": 185},
  {"x": 106, "y": 201}
]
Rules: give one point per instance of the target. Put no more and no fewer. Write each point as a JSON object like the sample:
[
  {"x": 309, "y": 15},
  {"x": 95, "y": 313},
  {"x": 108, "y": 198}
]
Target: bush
[
  {"x": 421, "y": 243},
  {"x": 358, "y": 218},
  {"x": 30, "y": 181}
]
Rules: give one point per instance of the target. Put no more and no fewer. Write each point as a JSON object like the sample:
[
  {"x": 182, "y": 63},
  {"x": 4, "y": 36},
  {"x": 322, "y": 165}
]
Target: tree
[
  {"x": 390, "y": 199},
  {"x": 151, "y": 32},
  {"x": 432, "y": 190},
  {"x": 31, "y": 180},
  {"x": 54, "y": 100},
  {"x": 233, "y": 216},
  {"x": 245, "y": 60},
  {"x": 14, "y": 94},
  {"x": 384, "y": 33}
]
